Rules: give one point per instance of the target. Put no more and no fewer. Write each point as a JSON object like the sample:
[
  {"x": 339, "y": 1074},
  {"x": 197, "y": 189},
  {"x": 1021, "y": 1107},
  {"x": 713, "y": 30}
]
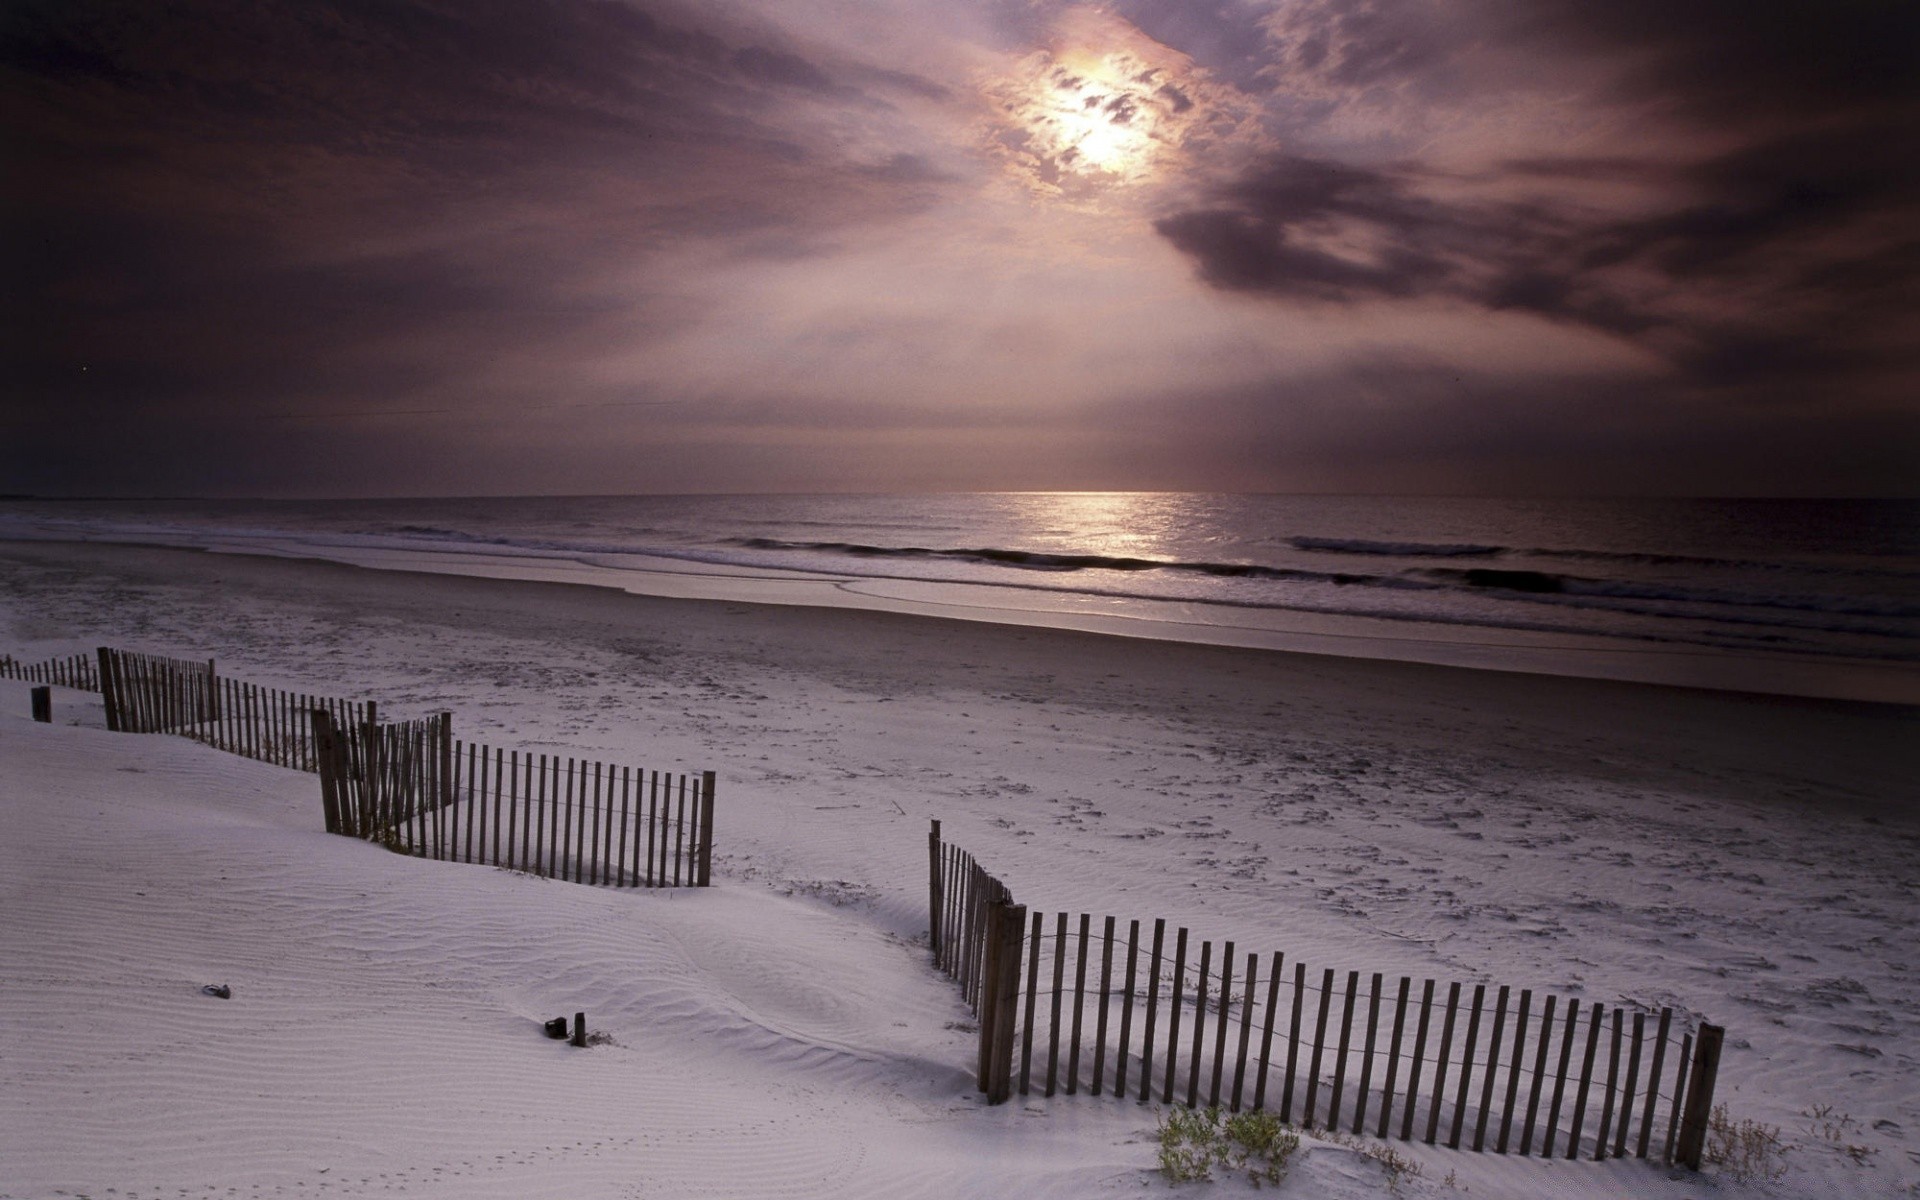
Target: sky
[{"x": 487, "y": 247}]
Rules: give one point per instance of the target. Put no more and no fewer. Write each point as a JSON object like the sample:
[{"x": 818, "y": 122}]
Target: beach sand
[{"x": 1746, "y": 858}]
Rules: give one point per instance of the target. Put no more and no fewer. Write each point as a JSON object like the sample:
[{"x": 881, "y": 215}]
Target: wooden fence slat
[
  {"x": 1126, "y": 1011},
  {"x": 1173, "y": 1014},
  {"x": 622, "y": 879},
  {"x": 1633, "y": 1079},
  {"x": 1679, "y": 1093},
  {"x": 1608, "y": 1095},
  {"x": 1220, "y": 1025},
  {"x": 1319, "y": 1047},
  {"x": 1033, "y": 995},
  {"x": 1106, "y": 994},
  {"x": 1293, "y": 1043},
  {"x": 1560, "y": 1077},
  {"x": 1059, "y": 982},
  {"x": 1079, "y": 1006},
  {"x": 1539, "y": 1076},
  {"x": 1466, "y": 1067},
  {"x": 680, "y": 832},
  {"x": 1153, "y": 1004},
  {"x": 1596, "y": 1018},
  {"x": 1653, "y": 1080},
  {"x": 1516, "y": 1066},
  {"x": 1340, "y": 1059},
  {"x": 1266, "y": 1032},
  {"x": 1393, "y": 1057},
  {"x": 1366, "y": 1057},
  {"x": 1196, "y": 1053},
  {"x": 1493, "y": 1070},
  {"x": 1440, "y": 1063},
  {"x": 1247, "y": 997}
]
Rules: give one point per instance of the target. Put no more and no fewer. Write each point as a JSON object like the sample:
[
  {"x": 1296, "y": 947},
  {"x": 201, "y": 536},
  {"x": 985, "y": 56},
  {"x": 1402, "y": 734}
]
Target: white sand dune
[{"x": 782, "y": 1034}]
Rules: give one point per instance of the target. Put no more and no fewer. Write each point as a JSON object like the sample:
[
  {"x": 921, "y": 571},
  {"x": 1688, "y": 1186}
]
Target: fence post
[
  {"x": 1699, "y": 1102},
  {"x": 446, "y": 760},
  {"x": 109, "y": 691},
  {"x": 1005, "y": 925},
  {"x": 933, "y": 892},
  {"x": 42, "y": 701},
  {"x": 707, "y": 780},
  {"x": 326, "y": 757}
]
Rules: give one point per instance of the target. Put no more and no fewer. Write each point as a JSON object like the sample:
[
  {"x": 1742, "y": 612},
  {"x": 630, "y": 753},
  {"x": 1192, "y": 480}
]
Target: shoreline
[{"x": 1515, "y": 651}]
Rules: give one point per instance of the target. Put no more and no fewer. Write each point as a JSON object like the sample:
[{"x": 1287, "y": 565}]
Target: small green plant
[
  {"x": 1747, "y": 1151},
  {"x": 1195, "y": 1141}
]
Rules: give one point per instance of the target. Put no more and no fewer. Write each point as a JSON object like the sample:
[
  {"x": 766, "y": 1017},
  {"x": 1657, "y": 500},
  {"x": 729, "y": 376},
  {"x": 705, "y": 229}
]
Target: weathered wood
[
  {"x": 935, "y": 889},
  {"x": 1393, "y": 1057},
  {"x": 983, "y": 1067},
  {"x": 1126, "y": 1011},
  {"x": 1440, "y": 1063},
  {"x": 1366, "y": 1057},
  {"x": 1196, "y": 1052},
  {"x": 1012, "y": 924},
  {"x": 329, "y": 784},
  {"x": 1679, "y": 1094},
  {"x": 1220, "y": 1024},
  {"x": 1700, "y": 1084},
  {"x": 1247, "y": 997},
  {"x": 1319, "y": 1048},
  {"x": 1633, "y": 1080},
  {"x": 1418, "y": 1062},
  {"x": 1106, "y": 994},
  {"x": 1597, "y": 1018},
  {"x": 1079, "y": 1005},
  {"x": 1173, "y": 1014},
  {"x": 1293, "y": 1042},
  {"x": 1059, "y": 986},
  {"x": 1466, "y": 1067},
  {"x": 1539, "y": 1076},
  {"x": 537, "y": 840},
  {"x": 1608, "y": 1096},
  {"x": 1266, "y": 1032},
  {"x": 1493, "y": 1071},
  {"x": 1653, "y": 1080},
  {"x": 1516, "y": 1065},
  {"x": 1033, "y": 993},
  {"x": 680, "y": 834},
  {"x": 1340, "y": 1058},
  {"x": 1560, "y": 1077},
  {"x": 40, "y": 703}
]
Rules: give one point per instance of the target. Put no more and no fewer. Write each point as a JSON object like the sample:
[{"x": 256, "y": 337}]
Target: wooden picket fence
[
  {"x": 415, "y": 788},
  {"x": 146, "y": 693},
  {"x": 1243, "y": 1036},
  {"x": 412, "y": 786},
  {"x": 75, "y": 671}
]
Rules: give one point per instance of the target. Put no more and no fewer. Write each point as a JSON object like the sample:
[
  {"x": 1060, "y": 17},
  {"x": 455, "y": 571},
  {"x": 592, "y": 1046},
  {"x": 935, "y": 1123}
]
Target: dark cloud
[
  {"x": 221, "y": 207},
  {"x": 1779, "y": 247}
]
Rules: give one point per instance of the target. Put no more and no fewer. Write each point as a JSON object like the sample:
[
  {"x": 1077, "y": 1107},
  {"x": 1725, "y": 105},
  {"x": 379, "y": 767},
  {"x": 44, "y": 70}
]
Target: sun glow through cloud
[{"x": 1103, "y": 106}]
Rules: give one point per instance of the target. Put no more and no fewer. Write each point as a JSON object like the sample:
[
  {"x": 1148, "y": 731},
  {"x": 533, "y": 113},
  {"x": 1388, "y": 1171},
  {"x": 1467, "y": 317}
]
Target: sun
[
  {"x": 1102, "y": 106},
  {"x": 1090, "y": 118}
]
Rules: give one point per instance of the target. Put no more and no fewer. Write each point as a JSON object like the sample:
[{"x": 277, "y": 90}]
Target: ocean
[{"x": 1817, "y": 597}]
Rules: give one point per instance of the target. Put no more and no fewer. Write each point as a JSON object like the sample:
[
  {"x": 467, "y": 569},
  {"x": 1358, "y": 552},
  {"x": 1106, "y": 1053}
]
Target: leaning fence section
[
  {"x": 75, "y": 671},
  {"x": 147, "y": 693},
  {"x": 410, "y": 785},
  {"x": 1070, "y": 1003},
  {"x": 415, "y": 788}
]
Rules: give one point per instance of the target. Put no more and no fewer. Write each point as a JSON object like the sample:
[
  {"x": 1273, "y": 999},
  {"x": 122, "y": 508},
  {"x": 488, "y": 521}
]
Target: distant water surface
[{"x": 1804, "y": 581}]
